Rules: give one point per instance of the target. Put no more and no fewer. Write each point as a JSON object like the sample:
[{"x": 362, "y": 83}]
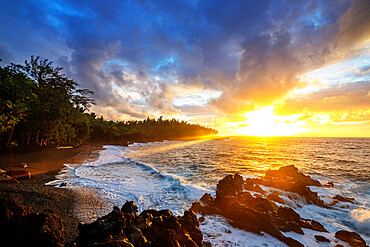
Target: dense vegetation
[{"x": 41, "y": 106}]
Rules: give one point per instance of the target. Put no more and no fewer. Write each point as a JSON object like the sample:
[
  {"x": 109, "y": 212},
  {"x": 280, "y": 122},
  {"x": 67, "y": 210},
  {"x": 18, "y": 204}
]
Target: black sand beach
[{"x": 34, "y": 194}]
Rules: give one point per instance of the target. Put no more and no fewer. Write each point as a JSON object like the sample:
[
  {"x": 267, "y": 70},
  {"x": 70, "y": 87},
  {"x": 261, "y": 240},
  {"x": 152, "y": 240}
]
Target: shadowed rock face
[
  {"x": 21, "y": 227},
  {"x": 288, "y": 178},
  {"x": 352, "y": 238},
  {"x": 257, "y": 214},
  {"x": 151, "y": 228}
]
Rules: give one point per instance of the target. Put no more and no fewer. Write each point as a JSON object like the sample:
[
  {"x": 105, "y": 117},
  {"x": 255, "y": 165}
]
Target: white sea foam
[
  {"x": 171, "y": 176},
  {"x": 219, "y": 232},
  {"x": 308, "y": 239},
  {"x": 360, "y": 217},
  {"x": 121, "y": 179}
]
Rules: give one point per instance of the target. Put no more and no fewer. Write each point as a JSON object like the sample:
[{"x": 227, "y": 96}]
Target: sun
[{"x": 263, "y": 122}]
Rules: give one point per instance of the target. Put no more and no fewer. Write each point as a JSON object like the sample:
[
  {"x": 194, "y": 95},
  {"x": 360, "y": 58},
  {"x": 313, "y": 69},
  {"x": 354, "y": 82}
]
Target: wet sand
[
  {"x": 45, "y": 164},
  {"x": 70, "y": 204}
]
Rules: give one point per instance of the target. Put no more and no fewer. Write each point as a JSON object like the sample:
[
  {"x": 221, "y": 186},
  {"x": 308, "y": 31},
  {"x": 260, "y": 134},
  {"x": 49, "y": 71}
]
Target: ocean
[{"x": 173, "y": 174}]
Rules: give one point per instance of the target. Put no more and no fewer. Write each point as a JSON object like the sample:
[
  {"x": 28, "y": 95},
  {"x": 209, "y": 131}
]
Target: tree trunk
[
  {"x": 28, "y": 139},
  {"x": 11, "y": 135},
  {"x": 37, "y": 137}
]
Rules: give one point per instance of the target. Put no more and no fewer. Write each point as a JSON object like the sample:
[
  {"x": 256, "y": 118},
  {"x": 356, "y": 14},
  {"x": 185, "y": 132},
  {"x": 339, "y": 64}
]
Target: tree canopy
[{"x": 39, "y": 105}]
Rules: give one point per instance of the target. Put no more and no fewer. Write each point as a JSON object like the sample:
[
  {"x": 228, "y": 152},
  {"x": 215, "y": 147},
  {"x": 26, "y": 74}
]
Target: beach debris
[
  {"x": 2, "y": 172},
  {"x": 19, "y": 226},
  {"x": 64, "y": 147},
  {"x": 64, "y": 184},
  {"x": 151, "y": 228},
  {"x": 19, "y": 173},
  {"x": 352, "y": 238}
]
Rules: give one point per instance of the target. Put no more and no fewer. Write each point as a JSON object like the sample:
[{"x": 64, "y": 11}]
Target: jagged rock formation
[
  {"x": 260, "y": 213},
  {"x": 151, "y": 228},
  {"x": 288, "y": 178},
  {"x": 21, "y": 227},
  {"x": 352, "y": 238},
  {"x": 253, "y": 214}
]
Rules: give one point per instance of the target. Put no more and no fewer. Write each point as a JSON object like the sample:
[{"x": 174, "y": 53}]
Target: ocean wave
[
  {"x": 168, "y": 176},
  {"x": 360, "y": 217}
]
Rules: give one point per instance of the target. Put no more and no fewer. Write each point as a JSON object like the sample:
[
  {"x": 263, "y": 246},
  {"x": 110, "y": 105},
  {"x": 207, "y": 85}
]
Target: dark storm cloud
[
  {"x": 272, "y": 62},
  {"x": 251, "y": 50}
]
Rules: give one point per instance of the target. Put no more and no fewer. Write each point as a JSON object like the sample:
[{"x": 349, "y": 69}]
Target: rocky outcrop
[
  {"x": 21, "y": 227},
  {"x": 344, "y": 199},
  {"x": 124, "y": 227},
  {"x": 288, "y": 178},
  {"x": 236, "y": 200},
  {"x": 320, "y": 238},
  {"x": 352, "y": 238},
  {"x": 253, "y": 213}
]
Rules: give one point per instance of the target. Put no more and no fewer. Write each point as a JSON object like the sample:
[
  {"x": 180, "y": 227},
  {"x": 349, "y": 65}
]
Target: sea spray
[{"x": 172, "y": 175}]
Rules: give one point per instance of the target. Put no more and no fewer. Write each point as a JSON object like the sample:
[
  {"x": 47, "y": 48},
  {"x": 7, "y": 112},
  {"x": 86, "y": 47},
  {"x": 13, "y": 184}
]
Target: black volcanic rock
[
  {"x": 274, "y": 196},
  {"x": 258, "y": 214},
  {"x": 344, "y": 199},
  {"x": 321, "y": 238},
  {"x": 21, "y": 227},
  {"x": 151, "y": 228},
  {"x": 352, "y": 238},
  {"x": 288, "y": 178},
  {"x": 230, "y": 185},
  {"x": 129, "y": 207}
]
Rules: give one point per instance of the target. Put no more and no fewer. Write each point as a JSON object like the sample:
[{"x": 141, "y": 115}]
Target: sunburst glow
[{"x": 263, "y": 122}]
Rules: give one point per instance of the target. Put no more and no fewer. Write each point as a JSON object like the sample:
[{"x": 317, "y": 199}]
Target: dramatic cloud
[
  {"x": 152, "y": 58},
  {"x": 272, "y": 62},
  {"x": 338, "y": 98}
]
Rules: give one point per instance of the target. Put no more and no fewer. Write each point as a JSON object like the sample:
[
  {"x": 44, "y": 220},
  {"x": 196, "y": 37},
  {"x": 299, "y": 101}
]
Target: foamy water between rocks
[{"x": 172, "y": 175}]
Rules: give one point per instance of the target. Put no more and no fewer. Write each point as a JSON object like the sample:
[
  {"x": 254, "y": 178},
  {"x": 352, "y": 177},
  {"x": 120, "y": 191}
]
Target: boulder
[
  {"x": 130, "y": 207},
  {"x": 344, "y": 199},
  {"x": 230, "y": 185},
  {"x": 21, "y": 227},
  {"x": 274, "y": 196},
  {"x": 288, "y": 178},
  {"x": 352, "y": 238},
  {"x": 259, "y": 213},
  {"x": 321, "y": 238},
  {"x": 150, "y": 228}
]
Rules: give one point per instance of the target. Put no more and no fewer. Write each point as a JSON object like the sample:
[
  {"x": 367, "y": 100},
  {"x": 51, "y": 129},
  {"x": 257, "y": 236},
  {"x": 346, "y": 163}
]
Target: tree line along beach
[{"x": 176, "y": 184}]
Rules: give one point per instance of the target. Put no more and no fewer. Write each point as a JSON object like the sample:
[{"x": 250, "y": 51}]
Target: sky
[{"x": 261, "y": 68}]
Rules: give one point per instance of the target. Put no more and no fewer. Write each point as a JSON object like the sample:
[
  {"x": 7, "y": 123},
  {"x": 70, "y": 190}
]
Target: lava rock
[
  {"x": 19, "y": 226},
  {"x": 129, "y": 207},
  {"x": 274, "y": 196},
  {"x": 150, "y": 228},
  {"x": 321, "y": 238},
  {"x": 258, "y": 213},
  {"x": 230, "y": 185},
  {"x": 288, "y": 178},
  {"x": 352, "y": 238},
  {"x": 344, "y": 199}
]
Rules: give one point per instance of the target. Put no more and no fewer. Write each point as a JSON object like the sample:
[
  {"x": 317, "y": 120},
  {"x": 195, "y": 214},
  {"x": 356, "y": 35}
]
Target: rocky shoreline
[
  {"x": 266, "y": 211},
  {"x": 246, "y": 204}
]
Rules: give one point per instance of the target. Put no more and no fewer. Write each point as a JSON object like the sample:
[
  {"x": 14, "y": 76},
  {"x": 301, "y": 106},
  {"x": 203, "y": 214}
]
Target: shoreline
[
  {"x": 37, "y": 196},
  {"x": 46, "y": 164},
  {"x": 85, "y": 205}
]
